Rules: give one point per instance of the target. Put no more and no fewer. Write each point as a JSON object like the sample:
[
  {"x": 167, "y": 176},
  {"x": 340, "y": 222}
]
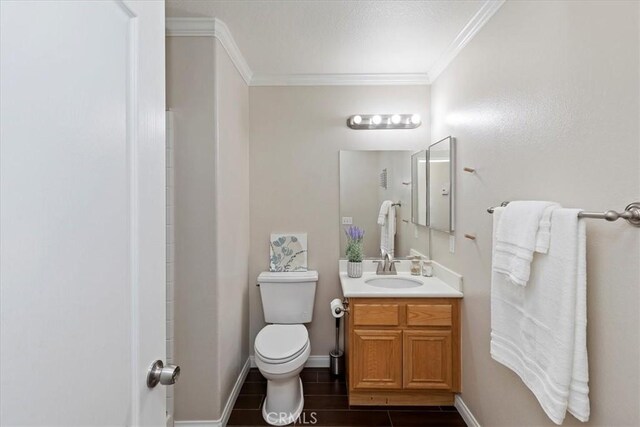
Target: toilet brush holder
[
  {"x": 336, "y": 363},
  {"x": 336, "y": 357}
]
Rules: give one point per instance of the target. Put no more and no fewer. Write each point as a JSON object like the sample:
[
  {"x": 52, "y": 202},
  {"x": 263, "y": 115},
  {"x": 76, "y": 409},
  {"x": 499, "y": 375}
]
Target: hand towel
[
  {"x": 387, "y": 221},
  {"x": 384, "y": 211},
  {"x": 539, "y": 331},
  {"x": 523, "y": 230}
]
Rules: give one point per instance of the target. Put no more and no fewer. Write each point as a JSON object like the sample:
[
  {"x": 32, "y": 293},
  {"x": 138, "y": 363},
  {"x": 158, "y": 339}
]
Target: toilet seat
[{"x": 279, "y": 344}]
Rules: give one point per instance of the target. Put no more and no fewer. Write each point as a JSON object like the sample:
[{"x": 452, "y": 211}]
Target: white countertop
[{"x": 444, "y": 283}]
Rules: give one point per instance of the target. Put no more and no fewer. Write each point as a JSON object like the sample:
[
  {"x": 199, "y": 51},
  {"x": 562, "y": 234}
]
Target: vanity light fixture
[{"x": 384, "y": 121}]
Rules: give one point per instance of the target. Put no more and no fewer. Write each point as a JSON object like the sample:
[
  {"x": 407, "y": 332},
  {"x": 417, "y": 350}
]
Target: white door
[{"x": 82, "y": 212}]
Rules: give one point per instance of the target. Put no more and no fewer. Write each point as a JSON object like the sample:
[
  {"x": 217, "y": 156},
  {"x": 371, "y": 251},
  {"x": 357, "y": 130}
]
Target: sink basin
[{"x": 393, "y": 282}]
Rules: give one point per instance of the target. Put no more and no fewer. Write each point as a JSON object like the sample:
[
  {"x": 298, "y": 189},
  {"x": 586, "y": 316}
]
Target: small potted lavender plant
[{"x": 354, "y": 250}]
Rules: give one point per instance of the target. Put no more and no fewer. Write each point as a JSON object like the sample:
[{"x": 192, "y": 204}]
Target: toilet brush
[{"x": 336, "y": 357}]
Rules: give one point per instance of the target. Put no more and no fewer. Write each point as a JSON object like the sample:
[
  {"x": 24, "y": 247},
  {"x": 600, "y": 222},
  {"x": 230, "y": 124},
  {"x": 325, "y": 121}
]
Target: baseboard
[
  {"x": 465, "y": 412},
  {"x": 317, "y": 362},
  {"x": 228, "y": 407},
  {"x": 312, "y": 362},
  {"x": 198, "y": 423}
]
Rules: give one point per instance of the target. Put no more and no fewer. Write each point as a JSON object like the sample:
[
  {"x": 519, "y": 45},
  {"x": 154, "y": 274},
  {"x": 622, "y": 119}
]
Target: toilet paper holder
[
  {"x": 345, "y": 304},
  {"x": 336, "y": 356}
]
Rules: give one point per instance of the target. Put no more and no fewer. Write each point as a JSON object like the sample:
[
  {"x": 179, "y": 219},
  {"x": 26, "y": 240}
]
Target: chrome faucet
[{"x": 387, "y": 265}]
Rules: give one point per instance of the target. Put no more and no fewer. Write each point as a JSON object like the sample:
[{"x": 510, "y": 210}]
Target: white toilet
[{"x": 283, "y": 347}]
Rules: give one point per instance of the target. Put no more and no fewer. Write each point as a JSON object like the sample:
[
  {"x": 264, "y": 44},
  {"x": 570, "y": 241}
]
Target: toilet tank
[{"x": 288, "y": 297}]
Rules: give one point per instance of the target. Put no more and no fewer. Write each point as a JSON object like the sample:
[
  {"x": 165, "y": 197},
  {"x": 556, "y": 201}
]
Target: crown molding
[
  {"x": 190, "y": 27},
  {"x": 213, "y": 27},
  {"x": 488, "y": 9},
  {"x": 339, "y": 79},
  {"x": 208, "y": 27}
]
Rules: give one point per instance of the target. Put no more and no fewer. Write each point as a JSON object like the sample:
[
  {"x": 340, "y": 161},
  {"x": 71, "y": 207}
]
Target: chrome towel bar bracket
[{"x": 631, "y": 214}]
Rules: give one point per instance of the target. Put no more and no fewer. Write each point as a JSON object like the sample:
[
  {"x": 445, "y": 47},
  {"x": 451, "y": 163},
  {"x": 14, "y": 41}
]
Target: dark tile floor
[{"x": 326, "y": 403}]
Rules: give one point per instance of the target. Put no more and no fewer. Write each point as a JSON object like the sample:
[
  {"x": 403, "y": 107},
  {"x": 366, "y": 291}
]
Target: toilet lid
[{"x": 281, "y": 343}]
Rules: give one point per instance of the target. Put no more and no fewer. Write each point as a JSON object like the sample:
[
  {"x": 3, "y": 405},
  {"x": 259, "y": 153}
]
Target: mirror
[
  {"x": 441, "y": 186},
  {"x": 419, "y": 188},
  {"x": 367, "y": 179}
]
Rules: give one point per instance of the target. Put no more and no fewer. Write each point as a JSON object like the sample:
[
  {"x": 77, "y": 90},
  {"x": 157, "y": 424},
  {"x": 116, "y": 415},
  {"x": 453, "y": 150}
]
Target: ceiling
[{"x": 337, "y": 38}]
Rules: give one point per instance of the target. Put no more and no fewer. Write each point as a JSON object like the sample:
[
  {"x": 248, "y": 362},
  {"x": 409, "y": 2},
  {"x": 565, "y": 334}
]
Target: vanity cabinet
[{"x": 403, "y": 351}]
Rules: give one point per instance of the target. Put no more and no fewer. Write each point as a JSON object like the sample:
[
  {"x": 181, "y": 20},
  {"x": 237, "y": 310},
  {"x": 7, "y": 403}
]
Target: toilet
[{"x": 282, "y": 347}]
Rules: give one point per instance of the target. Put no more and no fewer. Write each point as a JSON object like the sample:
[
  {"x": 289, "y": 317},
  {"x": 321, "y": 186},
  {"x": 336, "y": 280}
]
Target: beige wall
[
  {"x": 210, "y": 102},
  {"x": 543, "y": 102},
  {"x": 296, "y": 136},
  {"x": 190, "y": 95},
  {"x": 232, "y": 222}
]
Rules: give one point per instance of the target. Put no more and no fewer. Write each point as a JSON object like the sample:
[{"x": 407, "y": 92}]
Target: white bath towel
[
  {"x": 387, "y": 222},
  {"x": 539, "y": 331},
  {"x": 523, "y": 230}
]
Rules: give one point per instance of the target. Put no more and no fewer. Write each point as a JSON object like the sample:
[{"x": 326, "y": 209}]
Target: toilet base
[{"x": 281, "y": 416}]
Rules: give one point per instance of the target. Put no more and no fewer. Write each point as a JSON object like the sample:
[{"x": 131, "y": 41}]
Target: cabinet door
[
  {"x": 377, "y": 359},
  {"x": 427, "y": 359}
]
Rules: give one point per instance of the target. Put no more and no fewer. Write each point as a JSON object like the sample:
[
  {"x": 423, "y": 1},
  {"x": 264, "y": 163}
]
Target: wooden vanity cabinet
[{"x": 403, "y": 351}]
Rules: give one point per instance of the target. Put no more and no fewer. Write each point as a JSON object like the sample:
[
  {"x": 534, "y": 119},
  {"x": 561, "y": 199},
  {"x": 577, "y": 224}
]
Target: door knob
[{"x": 165, "y": 375}]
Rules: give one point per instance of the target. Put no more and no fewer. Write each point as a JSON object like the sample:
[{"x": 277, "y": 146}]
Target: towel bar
[{"x": 631, "y": 214}]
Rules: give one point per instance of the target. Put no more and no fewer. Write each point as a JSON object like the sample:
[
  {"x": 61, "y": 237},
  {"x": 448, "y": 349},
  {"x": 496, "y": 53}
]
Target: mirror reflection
[
  {"x": 441, "y": 187},
  {"x": 419, "y": 189},
  {"x": 375, "y": 195}
]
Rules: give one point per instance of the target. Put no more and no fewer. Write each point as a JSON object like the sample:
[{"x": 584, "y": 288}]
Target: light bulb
[
  {"x": 356, "y": 120},
  {"x": 395, "y": 119},
  {"x": 376, "y": 120},
  {"x": 415, "y": 119}
]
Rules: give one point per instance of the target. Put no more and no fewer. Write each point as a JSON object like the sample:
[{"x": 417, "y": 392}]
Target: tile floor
[{"x": 327, "y": 404}]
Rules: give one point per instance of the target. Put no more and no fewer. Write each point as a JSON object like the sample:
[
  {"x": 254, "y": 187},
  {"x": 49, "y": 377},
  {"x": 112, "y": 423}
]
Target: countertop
[{"x": 443, "y": 284}]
